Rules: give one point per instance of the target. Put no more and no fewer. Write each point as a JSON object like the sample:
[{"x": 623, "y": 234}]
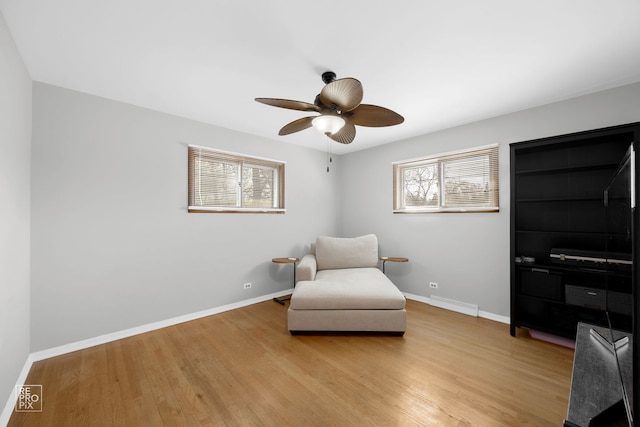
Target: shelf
[
  {"x": 570, "y": 233},
  {"x": 557, "y": 267},
  {"x": 567, "y": 169},
  {"x": 561, "y": 200},
  {"x": 572, "y": 269},
  {"x": 565, "y": 232}
]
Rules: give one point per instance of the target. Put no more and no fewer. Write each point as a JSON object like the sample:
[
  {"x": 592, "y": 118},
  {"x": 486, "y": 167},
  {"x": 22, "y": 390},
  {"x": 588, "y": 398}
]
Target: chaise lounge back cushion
[{"x": 354, "y": 252}]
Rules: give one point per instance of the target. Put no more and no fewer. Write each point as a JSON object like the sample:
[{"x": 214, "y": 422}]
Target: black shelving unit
[{"x": 557, "y": 201}]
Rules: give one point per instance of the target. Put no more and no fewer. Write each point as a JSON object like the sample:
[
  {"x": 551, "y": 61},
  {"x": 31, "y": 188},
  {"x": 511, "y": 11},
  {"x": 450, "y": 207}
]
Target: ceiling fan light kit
[
  {"x": 328, "y": 125},
  {"x": 340, "y": 110}
]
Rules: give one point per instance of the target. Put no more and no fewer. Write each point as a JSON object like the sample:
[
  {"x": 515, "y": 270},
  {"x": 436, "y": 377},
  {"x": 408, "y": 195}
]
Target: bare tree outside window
[{"x": 421, "y": 185}]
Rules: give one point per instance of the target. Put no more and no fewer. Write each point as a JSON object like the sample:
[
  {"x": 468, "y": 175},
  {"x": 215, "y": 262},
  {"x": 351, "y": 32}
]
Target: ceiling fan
[{"x": 340, "y": 110}]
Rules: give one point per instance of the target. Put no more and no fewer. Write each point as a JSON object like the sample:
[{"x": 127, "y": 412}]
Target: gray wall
[
  {"x": 467, "y": 254},
  {"x": 113, "y": 246},
  {"x": 15, "y": 151}
]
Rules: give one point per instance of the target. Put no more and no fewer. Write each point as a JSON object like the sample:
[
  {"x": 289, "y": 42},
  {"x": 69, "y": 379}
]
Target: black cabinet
[{"x": 558, "y": 205}]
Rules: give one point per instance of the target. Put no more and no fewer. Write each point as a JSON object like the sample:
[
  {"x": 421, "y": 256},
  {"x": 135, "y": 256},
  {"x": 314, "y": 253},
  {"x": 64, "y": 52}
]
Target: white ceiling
[{"x": 437, "y": 63}]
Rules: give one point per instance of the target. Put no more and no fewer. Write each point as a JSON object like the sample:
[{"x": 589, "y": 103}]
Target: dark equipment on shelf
[{"x": 591, "y": 259}]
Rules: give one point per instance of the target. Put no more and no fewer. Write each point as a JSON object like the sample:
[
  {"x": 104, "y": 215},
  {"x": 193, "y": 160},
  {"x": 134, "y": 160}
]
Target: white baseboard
[
  {"x": 102, "y": 339},
  {"x": 418, "y": 298},
  {"x": 458, "y": 307},
  {"x": 453, "y": 305},
  {"x": 494, "y": 317}
]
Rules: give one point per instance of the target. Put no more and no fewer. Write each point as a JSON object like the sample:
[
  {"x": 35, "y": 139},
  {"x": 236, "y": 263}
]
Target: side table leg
[{"x": 282, "y": 300}]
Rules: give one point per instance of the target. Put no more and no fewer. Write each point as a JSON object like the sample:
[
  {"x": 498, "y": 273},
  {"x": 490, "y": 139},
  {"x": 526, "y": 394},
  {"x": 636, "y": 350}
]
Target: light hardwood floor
[{"x": 242, "y": 368}]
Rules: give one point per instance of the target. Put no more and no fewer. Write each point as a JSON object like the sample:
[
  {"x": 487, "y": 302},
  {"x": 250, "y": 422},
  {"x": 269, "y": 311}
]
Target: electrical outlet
[
  {"x": 433, "y": 285},
  {"x": 247, "y": 285}
]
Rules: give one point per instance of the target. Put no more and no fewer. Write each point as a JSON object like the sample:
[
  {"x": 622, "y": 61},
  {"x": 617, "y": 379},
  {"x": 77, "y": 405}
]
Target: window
[
  {"x": 464, "y": 181},
  {"x": 228, "y": 182}
]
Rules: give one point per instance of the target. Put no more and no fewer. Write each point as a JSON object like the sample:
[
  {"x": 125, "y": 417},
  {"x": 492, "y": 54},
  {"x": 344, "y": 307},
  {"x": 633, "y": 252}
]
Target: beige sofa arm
[{"x": 306, "y": 268}]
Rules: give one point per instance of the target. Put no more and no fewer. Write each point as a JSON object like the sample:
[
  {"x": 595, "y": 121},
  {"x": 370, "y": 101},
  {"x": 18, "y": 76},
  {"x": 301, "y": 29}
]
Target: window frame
[
  {"x": 440, "y": 161},
  {"x": 240, "y": 161}
]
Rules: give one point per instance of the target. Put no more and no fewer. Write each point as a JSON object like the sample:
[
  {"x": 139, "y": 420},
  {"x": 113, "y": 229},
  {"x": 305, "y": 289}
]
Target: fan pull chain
[{"x": 329, "y": 157}]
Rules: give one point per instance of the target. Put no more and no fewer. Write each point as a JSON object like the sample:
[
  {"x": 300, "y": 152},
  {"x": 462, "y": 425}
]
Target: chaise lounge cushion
[
  {"x": 348, "y": 289},
  {"x": 338, "y": 252}
]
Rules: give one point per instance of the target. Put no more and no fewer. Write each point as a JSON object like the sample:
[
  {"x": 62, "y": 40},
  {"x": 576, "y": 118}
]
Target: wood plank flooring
[{"x": 243, "y": 368}]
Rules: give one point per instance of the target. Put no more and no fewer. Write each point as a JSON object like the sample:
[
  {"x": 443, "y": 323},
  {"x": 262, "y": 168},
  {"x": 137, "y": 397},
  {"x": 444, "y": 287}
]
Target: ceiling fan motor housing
[{"x": 328, "y": 77}]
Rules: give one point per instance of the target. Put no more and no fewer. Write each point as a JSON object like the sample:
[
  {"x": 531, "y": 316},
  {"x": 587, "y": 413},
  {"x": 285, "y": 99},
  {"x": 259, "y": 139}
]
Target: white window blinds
[
  {"x": 464, "y": 181},
  {"x": 227, "y": 182}
]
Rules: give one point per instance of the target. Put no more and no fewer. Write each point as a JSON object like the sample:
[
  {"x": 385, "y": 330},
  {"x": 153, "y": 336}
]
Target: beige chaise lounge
[{"x": 341, "y": 288}]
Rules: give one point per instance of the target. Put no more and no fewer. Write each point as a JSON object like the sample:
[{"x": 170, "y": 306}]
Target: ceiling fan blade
[
  {"x": 296, "y": 126},
  {"x": 375, "y": 116},
  {"x": 287, "y": 103},
  {"x": 346, "y": 94},
  {"x": 345, "y": 135}
]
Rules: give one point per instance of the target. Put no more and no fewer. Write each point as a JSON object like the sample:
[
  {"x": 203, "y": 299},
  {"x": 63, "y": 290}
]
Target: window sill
[
  {"x": 207, "y": 209},
  {"x": 447, "y": 210}
]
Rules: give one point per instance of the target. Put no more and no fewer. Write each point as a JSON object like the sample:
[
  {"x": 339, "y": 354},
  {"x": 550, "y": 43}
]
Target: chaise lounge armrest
[{"x": 306, "y": 268}]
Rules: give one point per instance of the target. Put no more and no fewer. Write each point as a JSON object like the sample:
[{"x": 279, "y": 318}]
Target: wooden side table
[
  {"x": 384, "y": 259},
  {"x": 293, "y": 261}
]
